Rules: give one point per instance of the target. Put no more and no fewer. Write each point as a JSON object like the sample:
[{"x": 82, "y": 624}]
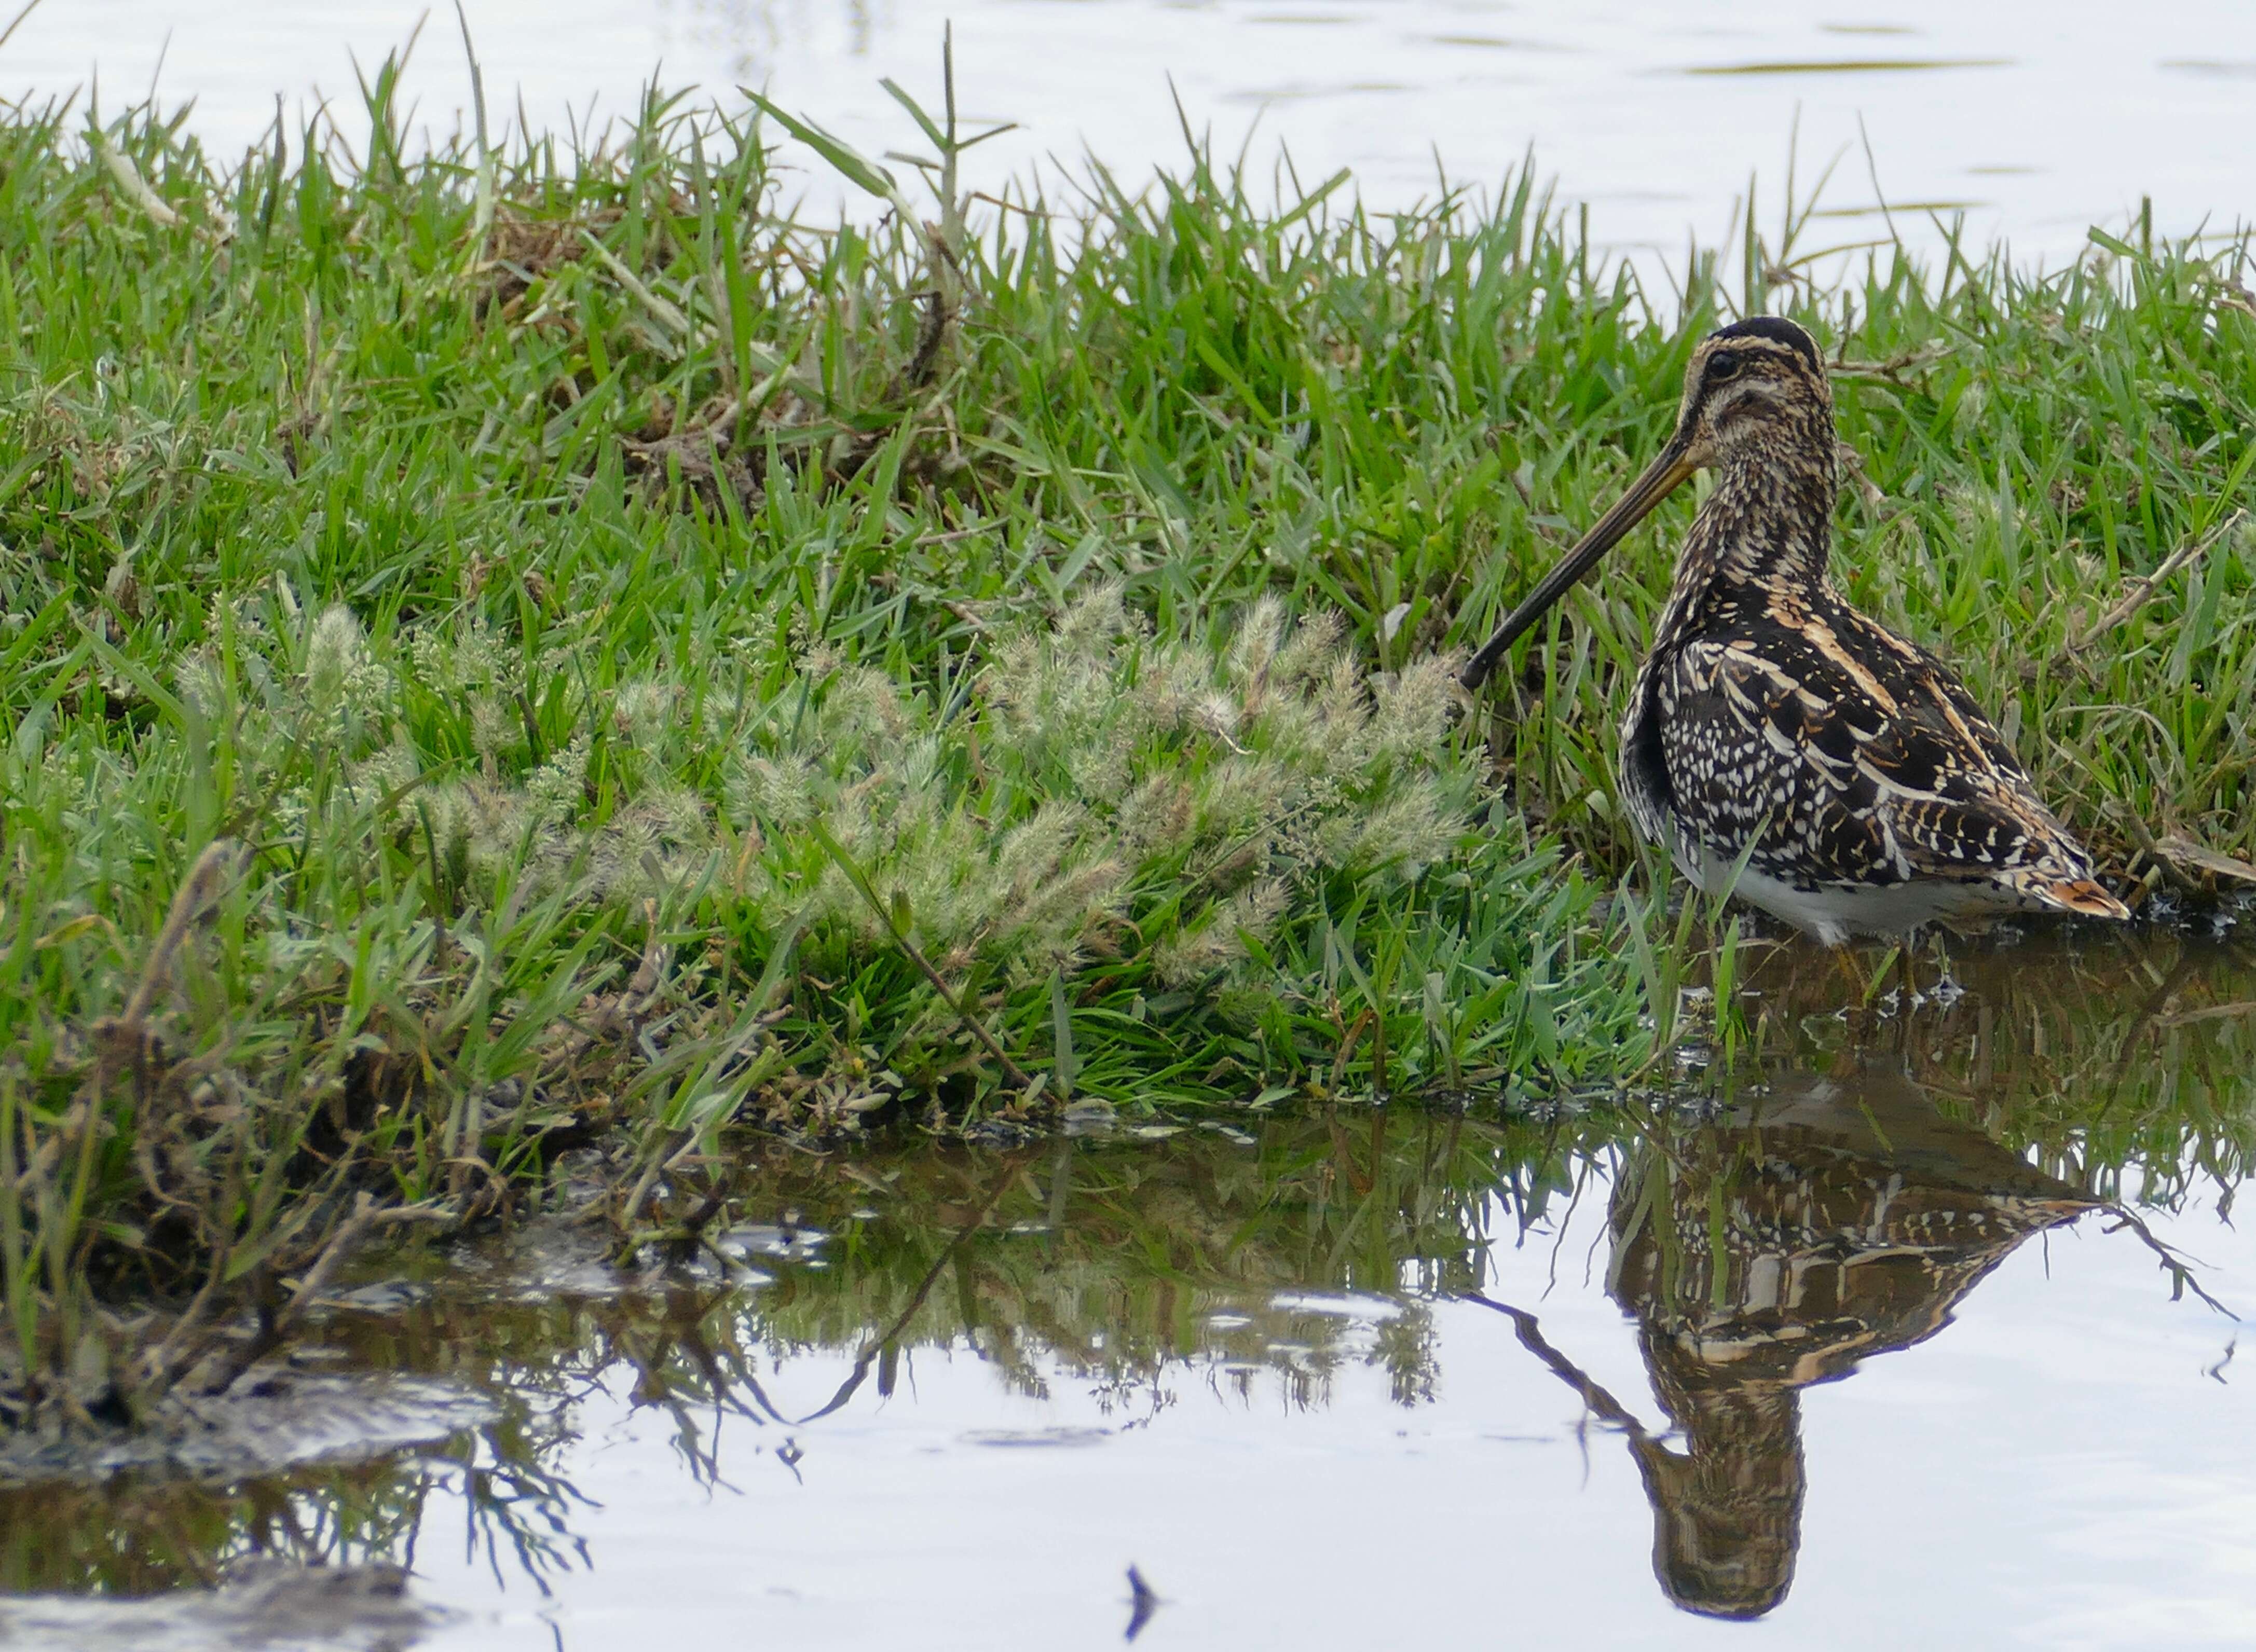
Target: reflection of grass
[
  {"x": 2128, "y": 1069},
  {"x": 1111, "y": 1258},
  {"x": 1135, "y": 1270},
  {"x": 146, "y": 1539},
  {"x": 1095, "y": 1264}
]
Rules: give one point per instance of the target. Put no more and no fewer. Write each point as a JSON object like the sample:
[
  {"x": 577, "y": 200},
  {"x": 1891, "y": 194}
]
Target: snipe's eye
[{"x": 1724, "y": 364}]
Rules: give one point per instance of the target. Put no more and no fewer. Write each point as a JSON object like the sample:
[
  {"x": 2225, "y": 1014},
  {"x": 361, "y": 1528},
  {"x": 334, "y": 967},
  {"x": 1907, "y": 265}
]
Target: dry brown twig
[
  {"x": 196, "y": 892},
  {"x": 1894, "y": 369},
  {"x": 1853, "y": 462},
  {"x": 348, "y": 1237},
  {"x": 958, "y": 1002},
  {"x": 2140, "y": 591},
  {"x": 125, "y": 1041},
  {"x": 2182, "y": 856},
  {"x": 2179, "y": 1271}
]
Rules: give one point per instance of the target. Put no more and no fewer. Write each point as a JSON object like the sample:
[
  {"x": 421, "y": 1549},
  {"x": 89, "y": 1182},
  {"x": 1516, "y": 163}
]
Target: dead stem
[
  {"x": 2181, "y": 1273},
  {"x": 197, "y": 891},
  {"x": 903, "y": 939},
  {"x": 2140, "y": 591},
  {"x": 367, "y": 1217},
  {"x": 1532, "y": 1339}
]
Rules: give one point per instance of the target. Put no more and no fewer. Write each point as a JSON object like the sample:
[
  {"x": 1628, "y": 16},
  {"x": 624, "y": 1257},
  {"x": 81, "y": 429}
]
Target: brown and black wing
[
  {"x": 1959, "y": 801},
  {"x": 1753, "y": 754},
  {"x": 1856, "y": 757}
]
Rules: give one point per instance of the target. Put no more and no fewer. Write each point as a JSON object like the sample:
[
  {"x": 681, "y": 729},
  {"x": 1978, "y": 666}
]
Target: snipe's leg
[
  {"x": 1947, "y": 990},
  {"x": 1906, "y": 990},
  {"x": 1860, "y": 990}
]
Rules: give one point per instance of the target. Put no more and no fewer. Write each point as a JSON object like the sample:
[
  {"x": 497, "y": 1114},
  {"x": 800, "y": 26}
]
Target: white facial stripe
[{"x": 1759, "y": 388}]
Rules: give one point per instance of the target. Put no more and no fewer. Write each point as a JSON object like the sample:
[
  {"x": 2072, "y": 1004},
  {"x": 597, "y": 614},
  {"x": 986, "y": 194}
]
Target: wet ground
[
  {"x": 1872, "y": 1340},
  {"x": 2035, "y": 118}
]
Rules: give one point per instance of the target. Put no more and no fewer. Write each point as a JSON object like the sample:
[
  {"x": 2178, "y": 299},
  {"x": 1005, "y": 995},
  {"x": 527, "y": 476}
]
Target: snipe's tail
[{"x": 2080, "y": 895}]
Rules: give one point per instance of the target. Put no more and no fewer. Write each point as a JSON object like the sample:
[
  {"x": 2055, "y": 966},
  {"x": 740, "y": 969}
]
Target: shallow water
[
  {"x": 1849, "y": 1344},
  {"x": 2035, "y": 119}
]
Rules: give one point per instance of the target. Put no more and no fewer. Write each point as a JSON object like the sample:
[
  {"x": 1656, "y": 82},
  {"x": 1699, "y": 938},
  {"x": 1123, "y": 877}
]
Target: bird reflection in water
[{"x": 1827, "y": 1221}]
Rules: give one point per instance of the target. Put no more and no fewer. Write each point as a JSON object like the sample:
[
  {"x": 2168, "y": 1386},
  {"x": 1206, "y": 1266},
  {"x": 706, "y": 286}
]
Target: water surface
[
  {"x": 1857, "y": 1345},
  {"x": 2033, "y": 119}
]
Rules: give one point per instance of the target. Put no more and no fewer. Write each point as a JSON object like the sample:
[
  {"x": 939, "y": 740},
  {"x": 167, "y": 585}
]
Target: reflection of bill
[{"x": 1830, "y": 1219}]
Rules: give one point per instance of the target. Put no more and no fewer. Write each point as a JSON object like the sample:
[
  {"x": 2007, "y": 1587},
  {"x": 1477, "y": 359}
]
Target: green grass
[{"x": 510, "y": 649}]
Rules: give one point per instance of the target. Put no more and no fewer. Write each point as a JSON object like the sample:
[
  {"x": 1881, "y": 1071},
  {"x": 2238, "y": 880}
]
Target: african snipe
[{"x": 1778, "y": 742}]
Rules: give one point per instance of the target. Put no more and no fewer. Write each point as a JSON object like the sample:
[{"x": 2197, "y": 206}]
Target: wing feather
[{"x": 1848, "y": 760}]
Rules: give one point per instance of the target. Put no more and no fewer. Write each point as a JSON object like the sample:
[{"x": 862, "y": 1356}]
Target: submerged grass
[{"x": 508, "y": 649}]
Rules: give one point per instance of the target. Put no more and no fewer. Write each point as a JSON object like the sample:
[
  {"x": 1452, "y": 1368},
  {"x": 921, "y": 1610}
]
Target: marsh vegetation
[{"x": 520, "y": 651}]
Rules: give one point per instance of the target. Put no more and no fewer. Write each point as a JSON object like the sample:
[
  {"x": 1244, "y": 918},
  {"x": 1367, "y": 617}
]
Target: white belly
[{"x": 1833, "y": 915}]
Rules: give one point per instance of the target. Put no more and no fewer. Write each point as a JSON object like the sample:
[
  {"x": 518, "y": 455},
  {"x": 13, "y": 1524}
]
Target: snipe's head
[
  {"x": 1756, "y": 391},
  {"x": 1755, "y": 395}
]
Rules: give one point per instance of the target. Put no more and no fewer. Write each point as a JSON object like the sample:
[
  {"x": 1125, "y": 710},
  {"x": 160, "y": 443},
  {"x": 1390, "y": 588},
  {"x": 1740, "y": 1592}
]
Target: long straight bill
[{"x": 1660, "y": 480}]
